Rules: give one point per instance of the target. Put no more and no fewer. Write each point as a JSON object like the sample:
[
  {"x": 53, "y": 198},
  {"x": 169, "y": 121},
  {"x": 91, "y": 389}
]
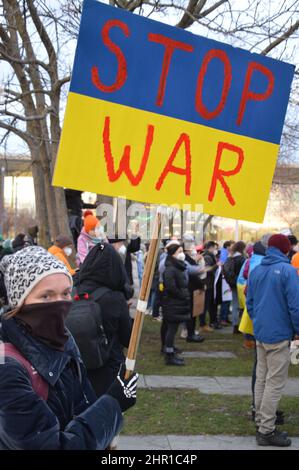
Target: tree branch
[
  {"x": 282, "y": 38},
  {"x": 16, "y": 131},
  {"x": 27, "y": 118}
]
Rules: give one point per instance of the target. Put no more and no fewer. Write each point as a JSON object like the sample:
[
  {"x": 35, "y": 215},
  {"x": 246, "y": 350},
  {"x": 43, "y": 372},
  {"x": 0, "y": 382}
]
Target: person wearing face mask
[
  {"x": 210, "y": 306},
  {"x": 176, "y": 305},
  {"x": 62, "y": 249},
  {"x": 91, "y": 234},
  {"x": 119, "y": 245},
  {"x": 46, "y": 400},
  {"x": 195, "y": 283}
]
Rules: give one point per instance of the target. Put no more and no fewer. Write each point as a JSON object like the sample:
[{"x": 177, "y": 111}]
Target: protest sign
[{"x": 164, "y": 116}]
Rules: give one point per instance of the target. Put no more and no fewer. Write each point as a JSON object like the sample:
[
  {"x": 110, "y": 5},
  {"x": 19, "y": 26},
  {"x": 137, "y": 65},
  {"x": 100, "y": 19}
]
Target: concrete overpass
[
  {"x": 20, "y": 165},
  {"x": 15, "y": 165}
]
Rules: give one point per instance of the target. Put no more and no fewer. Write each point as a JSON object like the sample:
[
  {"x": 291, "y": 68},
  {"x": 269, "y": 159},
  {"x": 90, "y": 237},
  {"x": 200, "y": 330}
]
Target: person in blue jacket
[
  {"x": 63, "y": 412},
  {"x": 273, "y": 305}
]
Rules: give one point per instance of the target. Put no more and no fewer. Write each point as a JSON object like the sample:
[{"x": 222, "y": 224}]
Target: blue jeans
[
  {"x": 224, "y": 311},
  {"x": 235, "y": 307}
]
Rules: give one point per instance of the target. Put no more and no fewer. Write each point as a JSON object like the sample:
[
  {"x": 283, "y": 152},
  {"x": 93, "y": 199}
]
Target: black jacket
[
  {"x": 211, "y": 261},
  {"x": 71, "y": 418},
  {"x": 103, "y": 267},
  {"x": 176, "y": 305},
  {"x": 195, "y": 282}
]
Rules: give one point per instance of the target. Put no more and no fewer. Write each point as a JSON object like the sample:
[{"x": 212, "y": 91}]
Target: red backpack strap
[{"x": 39, "y": 385}]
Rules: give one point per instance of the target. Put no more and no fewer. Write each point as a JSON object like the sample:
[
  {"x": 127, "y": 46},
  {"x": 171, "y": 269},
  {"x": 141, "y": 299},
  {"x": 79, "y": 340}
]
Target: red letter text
[
  {"x": 250, "y": 95},
  {"x": 183, "y": 139},
  {"x": 124, "y": 166},
  {"x": 121, "y": 76},
  {"x": 200, "y": 107},
  {"x": 219, "y": 174},
  {"x": 170, "y": 46}
]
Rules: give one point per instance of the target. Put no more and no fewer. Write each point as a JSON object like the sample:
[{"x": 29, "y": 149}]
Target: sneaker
[
  {"x": 206, "y": 329},
  {"x": 225, "y": 323},
  {"x": 195, "y": 339},
  {"x": 275, "y": 438},
  {"x": 172, "y": 360}
]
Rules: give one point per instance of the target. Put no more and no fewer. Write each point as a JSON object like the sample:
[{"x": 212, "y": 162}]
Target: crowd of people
[{"x": 70, "y": 323}]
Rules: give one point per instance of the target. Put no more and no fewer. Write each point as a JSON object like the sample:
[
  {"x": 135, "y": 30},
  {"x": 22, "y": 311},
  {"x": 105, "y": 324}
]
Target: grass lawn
[
  {"x": 150, "y": 361},
  {"x": 187, "y": 412},
  {"x": 182, "y": 411}
]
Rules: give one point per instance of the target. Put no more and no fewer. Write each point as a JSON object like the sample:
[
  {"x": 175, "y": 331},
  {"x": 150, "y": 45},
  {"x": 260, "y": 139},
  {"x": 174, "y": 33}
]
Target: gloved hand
[{"x": 124, "y": 390}]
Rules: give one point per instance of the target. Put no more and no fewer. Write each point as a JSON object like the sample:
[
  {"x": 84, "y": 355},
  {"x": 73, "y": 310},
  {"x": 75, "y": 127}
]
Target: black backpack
[
  {"x": 229, "y": 272},
  {"x": 85, "y": 322}
]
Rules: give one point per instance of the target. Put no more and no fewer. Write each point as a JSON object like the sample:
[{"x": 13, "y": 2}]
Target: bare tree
[
  {"x": 34, "y": 37},
  {"x": 31, "y": 105}
]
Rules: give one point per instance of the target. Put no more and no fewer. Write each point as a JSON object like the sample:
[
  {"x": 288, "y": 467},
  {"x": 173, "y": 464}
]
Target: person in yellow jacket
[{"x": 62, "y": 249}]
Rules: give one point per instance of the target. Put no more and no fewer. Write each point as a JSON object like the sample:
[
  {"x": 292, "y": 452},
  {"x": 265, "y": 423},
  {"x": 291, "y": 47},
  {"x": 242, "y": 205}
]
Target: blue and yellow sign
[{"x": 159, "y": 115}]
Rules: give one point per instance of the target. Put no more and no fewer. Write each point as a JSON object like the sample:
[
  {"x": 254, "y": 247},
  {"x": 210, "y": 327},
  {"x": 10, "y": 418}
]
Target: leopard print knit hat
[{"x": 24, "y": 269}]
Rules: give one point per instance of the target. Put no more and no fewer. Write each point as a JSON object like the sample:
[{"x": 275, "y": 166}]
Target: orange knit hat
[{"x": 90, "y": 223}]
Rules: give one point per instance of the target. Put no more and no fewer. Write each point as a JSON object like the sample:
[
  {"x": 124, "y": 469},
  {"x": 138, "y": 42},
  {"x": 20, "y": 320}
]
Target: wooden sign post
[{"x": 147, "y": 278}]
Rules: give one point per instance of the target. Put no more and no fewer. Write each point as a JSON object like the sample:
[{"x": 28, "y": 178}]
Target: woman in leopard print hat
[{"x": 46, "y": 400}]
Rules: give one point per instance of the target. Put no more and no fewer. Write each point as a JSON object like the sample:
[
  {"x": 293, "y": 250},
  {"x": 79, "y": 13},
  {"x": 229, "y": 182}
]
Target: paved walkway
[
  {"x": 173, "y": 442},
  {"x": 221, "y": 385}
]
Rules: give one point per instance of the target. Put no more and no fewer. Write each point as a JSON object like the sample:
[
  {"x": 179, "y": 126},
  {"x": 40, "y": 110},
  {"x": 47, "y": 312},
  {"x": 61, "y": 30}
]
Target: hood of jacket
[
  {"x": 48, "y": 362},
  {"x": 102, "y": 267},
  {"x": 259, "y": 249},
  {"x": 274, "y": 256}
]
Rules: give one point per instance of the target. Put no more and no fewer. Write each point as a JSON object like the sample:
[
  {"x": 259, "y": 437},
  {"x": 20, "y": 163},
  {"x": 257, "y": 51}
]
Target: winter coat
[
  {"x": 194, "y": 280},
  {"x": 103, "y": 267},
  {"x": 235, "y": 264},
  {"x": 85, "y": 243},
  {"x": 71, "y": 418},
  {"x": 176, "y": 306},
  {"x": 273, "y": 298},
  {"x": 210, "y": 260},
  {"x": 60, "y": 254}
]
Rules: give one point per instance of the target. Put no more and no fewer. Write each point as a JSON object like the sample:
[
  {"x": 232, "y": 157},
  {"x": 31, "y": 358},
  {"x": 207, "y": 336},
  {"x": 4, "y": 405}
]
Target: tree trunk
[{"x": 44, "y": 237}]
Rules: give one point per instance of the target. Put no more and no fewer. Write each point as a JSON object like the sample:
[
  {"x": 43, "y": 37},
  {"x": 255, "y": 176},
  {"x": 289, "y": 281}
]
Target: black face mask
[{"x": 46, "y": 322}]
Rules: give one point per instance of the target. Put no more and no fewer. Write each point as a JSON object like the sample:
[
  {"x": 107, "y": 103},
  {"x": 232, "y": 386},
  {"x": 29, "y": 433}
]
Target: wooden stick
[{"x": 147, "y": 278}]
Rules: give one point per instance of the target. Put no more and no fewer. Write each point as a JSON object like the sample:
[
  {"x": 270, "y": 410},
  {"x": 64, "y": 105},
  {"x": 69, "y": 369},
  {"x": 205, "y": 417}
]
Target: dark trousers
[
  {"x": 172, "y": 329},
  {"x": 191, "y": 326},
  {"x": 163, "y": 332},
  {"x": 165, "y": 327},
  {"x": 210, "y": 306}
]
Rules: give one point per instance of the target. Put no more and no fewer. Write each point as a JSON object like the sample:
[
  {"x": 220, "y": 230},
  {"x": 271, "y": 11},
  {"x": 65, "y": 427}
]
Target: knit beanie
[
  {"x": 173, "y": 248},
  {"x": 281, "y": 242},
  {"x": 24, "y": 269},
  {"x": 172, "y": 242},
  {"x": 63, "y": 241},
  {"x": 90, "y": 223}
]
